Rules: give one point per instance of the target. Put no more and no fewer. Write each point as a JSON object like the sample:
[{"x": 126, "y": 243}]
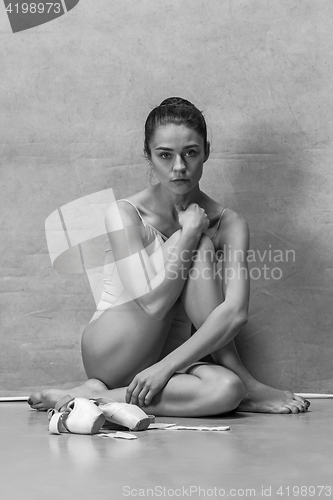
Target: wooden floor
[{"x": 261, "y": 456}]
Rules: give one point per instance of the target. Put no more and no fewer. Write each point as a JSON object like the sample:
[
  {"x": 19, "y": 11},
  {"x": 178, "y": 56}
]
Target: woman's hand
[
  {"x": 147, "y": 384},
  {"x": 194, "y": 218}
]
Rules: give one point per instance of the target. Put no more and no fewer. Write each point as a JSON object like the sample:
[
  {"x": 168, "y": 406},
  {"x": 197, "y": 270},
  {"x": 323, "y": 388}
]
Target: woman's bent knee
[
  {"x": 234, "y": 390},
  {"x": 226, "y": 391},
  {"x": 204, "y": 258}
]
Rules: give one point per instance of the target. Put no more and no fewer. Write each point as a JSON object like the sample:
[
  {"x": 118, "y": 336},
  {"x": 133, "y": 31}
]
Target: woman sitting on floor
[{"x": 164, "y": 272}]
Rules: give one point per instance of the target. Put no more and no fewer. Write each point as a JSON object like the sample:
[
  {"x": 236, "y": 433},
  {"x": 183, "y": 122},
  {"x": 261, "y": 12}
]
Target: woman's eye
[
  {"x": 191, "y": 152},
  {"x": 165, "y": 156}
]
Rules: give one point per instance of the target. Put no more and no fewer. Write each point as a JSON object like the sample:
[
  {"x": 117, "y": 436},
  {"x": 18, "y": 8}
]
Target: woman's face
[{"x": 178, "y": 155}]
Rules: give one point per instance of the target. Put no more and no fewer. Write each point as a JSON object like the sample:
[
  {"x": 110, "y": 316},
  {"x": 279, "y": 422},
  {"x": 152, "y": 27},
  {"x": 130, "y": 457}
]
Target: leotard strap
[
  {"x": 124, "y": 199},
  {"x": 218, "y": 223},
  {"x": 144, "y": 222}
]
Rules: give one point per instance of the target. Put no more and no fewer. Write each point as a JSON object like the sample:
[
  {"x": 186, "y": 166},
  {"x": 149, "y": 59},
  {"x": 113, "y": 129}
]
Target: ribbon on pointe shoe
[{"x": 75, "y": 416}]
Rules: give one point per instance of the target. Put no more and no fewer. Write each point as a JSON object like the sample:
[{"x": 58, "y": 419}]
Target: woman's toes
[
  {"x": 284, "y": 409},
  {"x": 301, "y": 407},
  {"x": 301, "y": 402},
  {"x": 45, "y": 399},
  {"x": 34, "y": 400},
  {"x": 305, "y": 404},
  {"x": 299, "y": 399},
  {"x": 293, "y": 408},
  {"x": 35, "y": 404}
]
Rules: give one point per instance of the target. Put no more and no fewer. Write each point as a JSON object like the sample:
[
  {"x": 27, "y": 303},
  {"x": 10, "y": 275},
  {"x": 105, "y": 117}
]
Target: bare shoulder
[
  {"x": 232, "y": 219},
  {"x": 234, "y": 229},
  {"x": 121, "y": 213}
]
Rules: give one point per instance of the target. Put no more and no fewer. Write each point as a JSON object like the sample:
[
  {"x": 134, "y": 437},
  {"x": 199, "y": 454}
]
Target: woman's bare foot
[
  {"x": 48, "y": 398},
  {"x": 261, "y": 398}
]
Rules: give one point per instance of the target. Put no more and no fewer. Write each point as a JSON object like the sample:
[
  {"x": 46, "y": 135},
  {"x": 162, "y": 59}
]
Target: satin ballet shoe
[
  {"x": 76, "y": 416},
  {"x": 123, "y": 415}
]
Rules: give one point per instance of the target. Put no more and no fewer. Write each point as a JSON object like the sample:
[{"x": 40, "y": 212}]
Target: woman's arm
[
  {"x": 221, "y": 326},
  {"x": 156, "y": 281},
  {"x": 225, "y": 321}
]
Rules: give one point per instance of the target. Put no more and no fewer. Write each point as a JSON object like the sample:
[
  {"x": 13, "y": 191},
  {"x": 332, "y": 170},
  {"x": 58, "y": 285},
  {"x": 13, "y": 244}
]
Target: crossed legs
[
  {"x": 205, "y": 389},
  {"x": 122, "y": 342}
]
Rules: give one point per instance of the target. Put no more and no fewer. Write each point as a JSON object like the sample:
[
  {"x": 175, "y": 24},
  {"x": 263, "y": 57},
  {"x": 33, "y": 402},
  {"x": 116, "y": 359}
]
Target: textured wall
[{"x": 74, "y": 96}]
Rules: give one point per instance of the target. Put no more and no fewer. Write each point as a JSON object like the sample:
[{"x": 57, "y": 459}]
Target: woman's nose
[{"x": 179, "y": 164}]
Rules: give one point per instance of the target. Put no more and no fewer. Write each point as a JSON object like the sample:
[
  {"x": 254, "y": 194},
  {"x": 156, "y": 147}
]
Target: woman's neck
[{"x": 167, "y": 199}]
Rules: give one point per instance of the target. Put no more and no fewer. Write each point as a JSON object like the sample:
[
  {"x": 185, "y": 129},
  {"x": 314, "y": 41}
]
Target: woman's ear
[{"x": 207, "y": 152}]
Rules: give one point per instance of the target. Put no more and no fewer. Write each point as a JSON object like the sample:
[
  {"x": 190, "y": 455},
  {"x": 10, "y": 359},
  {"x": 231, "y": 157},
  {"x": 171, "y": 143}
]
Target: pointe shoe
[
  {"x": 124, "y": 415},
  {"x": 76, "y": 416}
]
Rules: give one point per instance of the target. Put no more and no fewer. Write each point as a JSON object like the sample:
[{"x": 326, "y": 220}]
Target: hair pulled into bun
[
  {"x": 177, "y": 101},
  {"x": 177, "y": 111}
]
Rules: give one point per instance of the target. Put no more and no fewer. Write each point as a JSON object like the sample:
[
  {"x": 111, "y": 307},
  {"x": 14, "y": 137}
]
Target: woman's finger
[
  {"x": 142, "y": 396},
  {"x": 135, "y": 395},
  {"x": 149, "y": 397},
  {"x": 129, "y": 391},
  {"x": 128, "y": 394}
]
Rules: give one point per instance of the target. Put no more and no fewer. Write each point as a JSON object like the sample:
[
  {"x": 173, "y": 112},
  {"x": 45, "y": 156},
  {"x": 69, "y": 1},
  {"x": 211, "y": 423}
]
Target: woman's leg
[
  {"x": 115, "y": 347},
  {"x": 122, "y": 342},
  {"x": 204, "y": 390},
  {"x": 200, "y": 296},
  {"x": 112, "y": 360}
]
